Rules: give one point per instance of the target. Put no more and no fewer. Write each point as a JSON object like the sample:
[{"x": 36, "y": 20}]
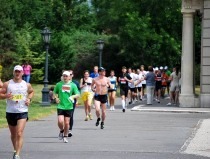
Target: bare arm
[
  {"x": 109, "y": 83},
  {"x": 3, "y": 92},
  {"x": 131, "y": 81},
  {"x": 30, "y": 94},
  {"x": 93, "y": 85},
  {"x": 81, "y": 83}
]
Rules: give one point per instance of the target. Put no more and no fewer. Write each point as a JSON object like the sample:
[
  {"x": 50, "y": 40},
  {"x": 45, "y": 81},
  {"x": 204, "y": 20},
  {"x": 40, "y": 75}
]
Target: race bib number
[
  {"x": 17, "y": 97},
  {"x": 66, "y": 88},
  {"x": 112, "y": 86}
]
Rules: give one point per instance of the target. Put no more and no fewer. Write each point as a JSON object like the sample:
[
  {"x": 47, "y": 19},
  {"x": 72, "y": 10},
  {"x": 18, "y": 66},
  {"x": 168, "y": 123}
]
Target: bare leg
[
  {"x": 123, "y": 101},
  {"x": 89, "y": 105},
  {"x": 97, "y": 105},
  {"x": 61, "y": 122},
  {"x": 113, "y": 97},
  {"x": 103, "y": 116},
  {"x": 86, "y": 108},
  {"x": 110, "y": 98},
  {"x": 17, "y": 135},
  {"x": 66, "y": 125}
]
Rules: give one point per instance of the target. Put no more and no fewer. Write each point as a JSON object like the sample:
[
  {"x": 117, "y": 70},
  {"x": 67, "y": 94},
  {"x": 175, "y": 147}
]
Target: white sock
[{"x": 123, "y": 104}]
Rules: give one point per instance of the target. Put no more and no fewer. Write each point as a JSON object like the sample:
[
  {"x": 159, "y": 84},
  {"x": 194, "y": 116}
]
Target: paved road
[{"x": 133, "y": 135}]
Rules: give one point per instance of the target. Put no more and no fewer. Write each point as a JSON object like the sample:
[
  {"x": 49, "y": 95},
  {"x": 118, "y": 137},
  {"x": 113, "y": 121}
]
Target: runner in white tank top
[
  {"x": 18, "y": 94},
  {"x": 17, "y": 103}
]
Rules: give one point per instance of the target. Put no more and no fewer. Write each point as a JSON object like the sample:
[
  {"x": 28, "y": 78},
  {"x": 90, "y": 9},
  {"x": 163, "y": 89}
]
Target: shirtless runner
[{"x": 100, "y": 86}]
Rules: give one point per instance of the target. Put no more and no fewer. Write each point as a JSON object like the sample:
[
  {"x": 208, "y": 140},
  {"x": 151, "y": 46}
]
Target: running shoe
[
  {"x": 70, "y": 134},
  {"x": 90, "y": 116},
  {"x": 97, "y": 122},
  {"x": 113, "y": 108},
  {"x": 102, "y": 125},
  {"x": 168, "y": 104},
  {"x": 14, "y": 153},
  {"x": 60, "y": 136},
  {"x": 65, "y": 140},
  {"x": 158, "y": 101},
  {"x": 86, "y": 118},
  {"x": 123, "y": 110},
  {"x": 16, "y": 157}
]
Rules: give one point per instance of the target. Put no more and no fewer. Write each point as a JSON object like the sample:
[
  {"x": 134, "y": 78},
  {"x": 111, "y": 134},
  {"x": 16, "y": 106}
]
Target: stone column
[
  {"x": 187, "y": 96},
  {"x": 205, "y": 57}
]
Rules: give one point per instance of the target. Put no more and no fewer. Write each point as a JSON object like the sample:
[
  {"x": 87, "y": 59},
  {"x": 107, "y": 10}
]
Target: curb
[{"x": 170, "y": 109}]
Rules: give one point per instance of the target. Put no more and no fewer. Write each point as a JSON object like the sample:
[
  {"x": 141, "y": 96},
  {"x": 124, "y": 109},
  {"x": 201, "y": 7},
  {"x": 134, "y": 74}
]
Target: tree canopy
[{"x": 135, "y": 32}]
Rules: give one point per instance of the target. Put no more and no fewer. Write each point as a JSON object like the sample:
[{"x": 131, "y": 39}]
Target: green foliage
[
  {"x": 76, "y": 50},
  {"x": 27, "y": 41},
  {"x": 135, "y": 32}
]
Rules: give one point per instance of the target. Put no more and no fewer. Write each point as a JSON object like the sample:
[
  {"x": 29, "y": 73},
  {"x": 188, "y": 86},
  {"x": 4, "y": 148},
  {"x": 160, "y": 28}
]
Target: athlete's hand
[
  {"x": 27, "y": 102},
  {"x": 71, "y": 99},
  {"x": 57, "y": 100},
  {"x": 9, "y": 95}
]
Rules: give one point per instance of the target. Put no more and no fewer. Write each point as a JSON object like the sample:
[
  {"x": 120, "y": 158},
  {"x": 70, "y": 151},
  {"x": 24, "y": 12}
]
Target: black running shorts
[
  {"x": 158, "y": 85},
  {"x": 124, "y": 91},
  {"x": 139, "y": 89},
  {"x": 133, "y": 90},
  {"x": 12, "y": 118},
  {"x": 101, "y": 98},
  {"x": 65, "y": 113}
]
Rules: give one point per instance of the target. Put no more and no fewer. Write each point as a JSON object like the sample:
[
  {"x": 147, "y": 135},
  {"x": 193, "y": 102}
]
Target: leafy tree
[{"x": 28, "y": 48}]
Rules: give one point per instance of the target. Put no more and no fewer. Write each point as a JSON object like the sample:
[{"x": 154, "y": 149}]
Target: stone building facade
[{"x": 190, "y": 8}]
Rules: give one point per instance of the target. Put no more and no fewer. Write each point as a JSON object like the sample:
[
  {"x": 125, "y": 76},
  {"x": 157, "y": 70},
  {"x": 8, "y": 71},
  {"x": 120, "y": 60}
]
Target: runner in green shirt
[{"x": 64, "y": 93}]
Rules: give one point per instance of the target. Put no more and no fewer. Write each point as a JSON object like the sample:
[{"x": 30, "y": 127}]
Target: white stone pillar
[
  {"x": 205, "y": 57},
  {"x": 187, "y": 96}
]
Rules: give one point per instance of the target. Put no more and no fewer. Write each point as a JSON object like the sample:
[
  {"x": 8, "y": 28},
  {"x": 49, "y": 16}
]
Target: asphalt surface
[{"x": 135, "y": 134}]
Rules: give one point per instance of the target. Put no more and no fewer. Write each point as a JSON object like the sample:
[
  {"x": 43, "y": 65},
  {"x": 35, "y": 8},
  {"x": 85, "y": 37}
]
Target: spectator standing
[
  {"x": 150, "y": 85},
  {"x": 27, "y": 71}
]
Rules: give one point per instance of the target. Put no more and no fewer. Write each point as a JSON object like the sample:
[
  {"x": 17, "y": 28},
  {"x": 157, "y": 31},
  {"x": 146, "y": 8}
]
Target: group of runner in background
[{"x": 132, "y": 85}]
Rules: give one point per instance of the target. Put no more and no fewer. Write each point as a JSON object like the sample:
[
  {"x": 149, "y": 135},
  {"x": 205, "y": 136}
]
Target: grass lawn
[{"x": 36, "y": 111}]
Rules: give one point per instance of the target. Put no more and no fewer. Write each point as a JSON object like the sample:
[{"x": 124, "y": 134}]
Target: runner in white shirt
[
  {"x": 138, "y": 84},
  {"x": 143, "y": 72},
  {"x": 132, "y": 87},
  {"x": 18, "y": 96}
]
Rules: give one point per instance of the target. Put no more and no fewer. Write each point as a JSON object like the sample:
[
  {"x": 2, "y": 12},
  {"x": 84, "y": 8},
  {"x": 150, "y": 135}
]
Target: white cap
[
  {"x": 67, "y": 73},
  {"x": 166, "y": 67},
  {"x": 156, "y": 69},
  {"x": 161, "y": 67},
  {"x": 18, "y": 67}
]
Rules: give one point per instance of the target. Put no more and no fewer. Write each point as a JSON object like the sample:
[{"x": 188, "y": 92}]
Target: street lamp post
[
  {"x": 45, "y": 91},
  {"x": 100, "y": 44}
]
